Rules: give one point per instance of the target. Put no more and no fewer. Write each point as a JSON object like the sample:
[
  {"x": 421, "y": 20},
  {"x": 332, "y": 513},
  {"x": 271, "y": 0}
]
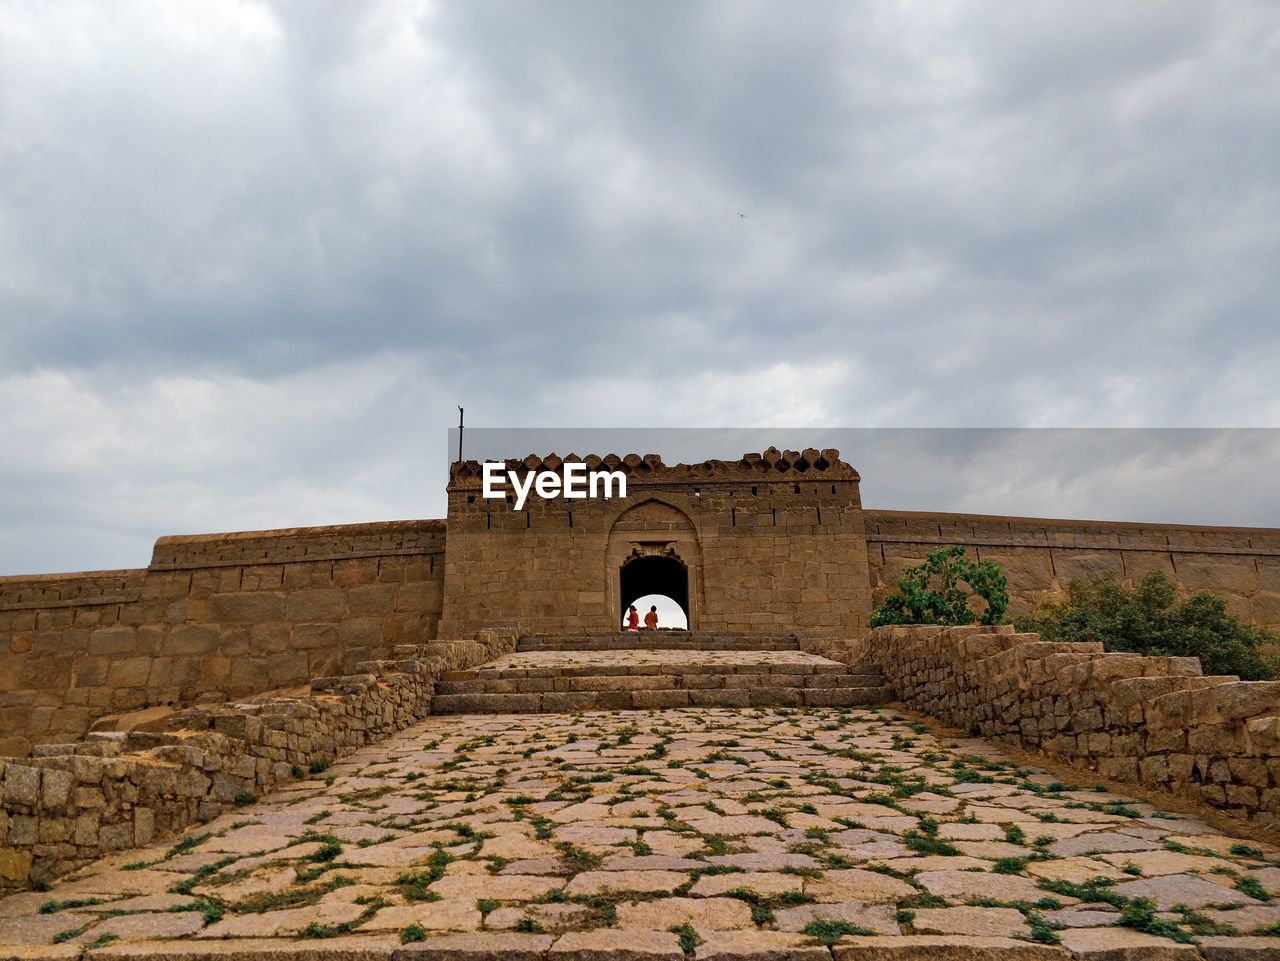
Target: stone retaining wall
[
  {"x": 213, "y": 617},
  {"x": 75, "y": 802},
  {"x": 1149, "y": 720}
]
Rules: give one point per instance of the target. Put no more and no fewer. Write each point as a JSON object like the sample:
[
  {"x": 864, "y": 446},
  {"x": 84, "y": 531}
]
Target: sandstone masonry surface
[{"x": 591, "y": 835}]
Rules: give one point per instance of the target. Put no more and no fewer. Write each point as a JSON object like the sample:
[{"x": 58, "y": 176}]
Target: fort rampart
[
  {"x": 773, "y": 541},
  {"x": 213, "y": 617},
  {"x": 1040, "y": 557}
]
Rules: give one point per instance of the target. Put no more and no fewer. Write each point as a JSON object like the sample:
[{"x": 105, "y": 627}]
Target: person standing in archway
[
  {"x": 651, "y": 619},
  {"x": 633, "y": 618}
]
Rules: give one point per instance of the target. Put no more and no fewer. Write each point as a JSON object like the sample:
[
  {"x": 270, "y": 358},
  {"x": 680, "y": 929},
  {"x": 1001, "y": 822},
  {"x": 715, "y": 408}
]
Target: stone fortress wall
[
  {"x": 213, "y": 617},
  {"x": 1039, "y": 557},
  {"x": 774, "y": 541}
]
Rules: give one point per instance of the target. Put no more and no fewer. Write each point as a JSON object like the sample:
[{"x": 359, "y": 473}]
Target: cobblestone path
[{"x": 806, "y": 833}]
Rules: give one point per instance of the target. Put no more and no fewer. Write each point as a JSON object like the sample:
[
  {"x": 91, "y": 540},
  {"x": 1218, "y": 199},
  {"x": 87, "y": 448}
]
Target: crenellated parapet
[{"x": 772, "y": 464}]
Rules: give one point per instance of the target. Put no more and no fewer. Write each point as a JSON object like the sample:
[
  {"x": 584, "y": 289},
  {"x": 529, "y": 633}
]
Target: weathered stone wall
[
  {"x": 76, "y": 802},
  {"x": 213, "y": 617},
  {"x": 1039, "y": 557},
  {"x": 772, "y": 540},
  {"x": 1149, "y": 720}
]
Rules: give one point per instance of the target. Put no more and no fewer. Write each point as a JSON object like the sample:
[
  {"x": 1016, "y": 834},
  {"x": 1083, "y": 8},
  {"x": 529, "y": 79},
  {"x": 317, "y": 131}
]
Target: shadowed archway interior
[{"x": 654, "y": 575}]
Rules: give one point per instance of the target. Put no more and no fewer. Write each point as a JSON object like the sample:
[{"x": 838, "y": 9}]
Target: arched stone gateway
[
  {"x": 653, "y": 548},
  {"x": 772, "y": 541},
  {"x": 642, "y": 575}
]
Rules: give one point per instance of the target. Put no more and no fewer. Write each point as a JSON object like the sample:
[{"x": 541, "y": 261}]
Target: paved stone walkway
[{"x": 812, "y": 833}]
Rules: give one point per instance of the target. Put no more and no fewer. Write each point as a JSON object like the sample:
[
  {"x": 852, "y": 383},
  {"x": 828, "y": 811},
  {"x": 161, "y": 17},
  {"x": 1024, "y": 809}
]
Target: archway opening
[
  {"x": 670, "y": 615},
  {"x": 655, "y": 580}
]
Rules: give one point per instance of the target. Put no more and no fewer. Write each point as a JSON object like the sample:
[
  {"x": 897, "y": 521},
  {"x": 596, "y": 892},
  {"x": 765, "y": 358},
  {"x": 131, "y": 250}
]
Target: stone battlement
[{"x": 791, "y": 464}]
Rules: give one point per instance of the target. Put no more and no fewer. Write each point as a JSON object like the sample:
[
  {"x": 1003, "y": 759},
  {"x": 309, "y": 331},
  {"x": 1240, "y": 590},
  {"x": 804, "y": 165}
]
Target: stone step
[
  {"x": 573, "y": 701},
  {"x": 659, "y": 641},
  {"x": 664, "y": 668},
  {"x": 653, "y": 682},
  {"x": 645, "y": 678}
]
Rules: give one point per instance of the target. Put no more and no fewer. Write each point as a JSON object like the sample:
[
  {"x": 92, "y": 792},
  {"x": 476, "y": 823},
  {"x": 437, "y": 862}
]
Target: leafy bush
[
  {"x": 1148, "y": 620},
  {"x": 917, "y": 603}
]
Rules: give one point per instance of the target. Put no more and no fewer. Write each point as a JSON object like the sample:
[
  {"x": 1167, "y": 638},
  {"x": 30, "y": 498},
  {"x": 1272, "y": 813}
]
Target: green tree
[
  {"x": 1148, "y": 619},
  {"x": 948, "y": 603}
]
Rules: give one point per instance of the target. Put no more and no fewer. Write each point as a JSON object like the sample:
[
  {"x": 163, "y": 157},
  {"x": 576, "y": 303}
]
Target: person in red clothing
[
  {"x": 651, "y": 619},
  {"x": 633, "y": 618}
]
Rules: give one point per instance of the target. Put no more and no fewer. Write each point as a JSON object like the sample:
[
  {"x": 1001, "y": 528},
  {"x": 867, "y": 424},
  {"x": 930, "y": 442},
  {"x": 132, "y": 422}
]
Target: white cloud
[{"x": 238, "y": 239}]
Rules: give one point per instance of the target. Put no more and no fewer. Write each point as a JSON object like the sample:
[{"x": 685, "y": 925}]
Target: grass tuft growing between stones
[
  {"x": 1009, "y": 865},
  {"x": 1246, "y": 851},
  {"x": 762, "y": 907},
  {"x": 923, "y": 844},
  {"x": 689, "y": 939},
  {"x": 1140, "y": 914},
  {"x": 414, "y": 885},
  {"x": 1202, "y": 925},
  {"x": 1042, "y": 931},
  {"x": 1248, "y": 884},
  {"x": 578, "y": 858},
  {"x": 1093, "y": 891},
  {"x": 829, "y": 932},
  {"x": 53, "y": 906}
]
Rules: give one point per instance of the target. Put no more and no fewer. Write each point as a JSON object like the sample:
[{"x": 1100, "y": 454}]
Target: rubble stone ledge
[{"x": 73, "y": 803}]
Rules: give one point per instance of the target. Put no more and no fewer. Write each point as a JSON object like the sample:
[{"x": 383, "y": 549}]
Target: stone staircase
[
  {"x": 656, "y": 669},
  {"x": 658, "y": 640}
]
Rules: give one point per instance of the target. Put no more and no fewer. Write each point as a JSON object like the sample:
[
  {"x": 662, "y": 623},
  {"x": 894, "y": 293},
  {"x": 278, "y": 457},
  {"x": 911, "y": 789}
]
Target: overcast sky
[{"x": 253, "y": 255}]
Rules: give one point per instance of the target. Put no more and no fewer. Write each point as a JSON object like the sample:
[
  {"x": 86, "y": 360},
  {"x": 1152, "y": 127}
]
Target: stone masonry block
[
  {"x": 419, "y": 596},
  {"x": 247, "y": 607},
  {"x": 371, "y": 598},
  {"x": 1218, "y": 573},
  {"x": 307, "y": 636},
  {"x": 316, "y": 604},
  {"x": 1247, "y": 699},
  {"x": 55, "y": 789},
  {"x": 21, "y": 785},
  {"x": 660, "y": 699},
  {"x": 190, "y": 639},
  {"x": 116, "y": 837},
  {"x": 113, "y": 640},
  {"x": 1069, "y": 565}
]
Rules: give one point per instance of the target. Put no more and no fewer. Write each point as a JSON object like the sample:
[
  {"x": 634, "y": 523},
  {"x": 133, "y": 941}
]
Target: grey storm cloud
[{"x": 252, "y": 254}]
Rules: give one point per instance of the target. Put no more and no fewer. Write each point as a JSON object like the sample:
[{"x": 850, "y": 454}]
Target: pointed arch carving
[{"x": 653, "y": 547}]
